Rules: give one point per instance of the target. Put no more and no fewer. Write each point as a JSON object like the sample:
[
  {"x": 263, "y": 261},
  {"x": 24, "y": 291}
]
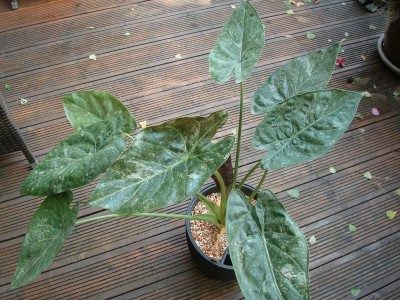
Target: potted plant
[
  {"x": 389, "y": 42},
  {"x": 168, "y": 163}
]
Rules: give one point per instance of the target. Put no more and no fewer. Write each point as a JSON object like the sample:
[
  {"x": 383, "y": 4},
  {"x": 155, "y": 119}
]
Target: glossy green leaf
[
  {"x": 300, "y": 75},
  {"x": 166, "y": 164},
  {"x": 88, "y": 107},
  {"x": 76, "y": 160},
  {"x": 268, "y": 250},
  {"x": 48, "y": 229},
  {"x": 239, "y": 45},
  {"x": 304, "y": 127}
]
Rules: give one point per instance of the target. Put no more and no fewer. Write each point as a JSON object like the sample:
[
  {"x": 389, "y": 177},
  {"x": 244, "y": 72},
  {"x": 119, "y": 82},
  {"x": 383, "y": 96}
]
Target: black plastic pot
[
  {"x": 222, "y": 270},
  {"x": 389, "y": 43},
  {"x": 385, "y": 58}
]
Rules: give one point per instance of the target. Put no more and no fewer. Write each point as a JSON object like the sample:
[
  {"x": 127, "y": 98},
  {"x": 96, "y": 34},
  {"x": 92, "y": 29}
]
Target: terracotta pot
[{"x": 222, "y": 270}]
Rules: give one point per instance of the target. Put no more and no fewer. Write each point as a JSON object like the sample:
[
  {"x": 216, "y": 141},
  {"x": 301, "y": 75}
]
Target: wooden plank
[
  {"x": 55, "y": 10},
  {"x": 45, "y": 56},
  {"x": 359, "y": 269},
  {"x": 112, "y": 38}
]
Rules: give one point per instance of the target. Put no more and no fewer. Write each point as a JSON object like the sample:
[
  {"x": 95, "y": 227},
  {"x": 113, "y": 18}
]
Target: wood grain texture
[{"x": 44, "y": 53}]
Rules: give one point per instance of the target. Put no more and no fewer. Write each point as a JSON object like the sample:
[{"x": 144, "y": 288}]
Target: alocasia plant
[{"x": 168, "y": 163}]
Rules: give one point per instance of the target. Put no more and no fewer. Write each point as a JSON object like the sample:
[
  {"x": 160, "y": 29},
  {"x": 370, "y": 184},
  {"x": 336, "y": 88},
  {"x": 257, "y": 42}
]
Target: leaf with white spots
[
  {"x": 317, "y": 121},
  {"x": 24, "y": 101},
  {"x": 48, "y": 229},
  {"x": 165, "y": 164},
  {"x": 268, "y": 250},
  {"x": 312, "y": 240},
  {"x": 88, "y": 107},
  {"x": 346, "y": 34},
  {"x": 178, "y": 56},
  {"x": 239, "y": 45},
  {"x": 290, "y": 12},
  {"x": 77, "y": 160},
  {"x": 301, "y": 75},
  {"x": 92, "y": 57},
  {"x": 332, "y": 170}
]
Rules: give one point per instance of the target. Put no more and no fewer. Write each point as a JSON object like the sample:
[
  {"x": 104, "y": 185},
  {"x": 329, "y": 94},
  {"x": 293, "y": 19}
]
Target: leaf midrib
[{"x": 305, "y": 128}]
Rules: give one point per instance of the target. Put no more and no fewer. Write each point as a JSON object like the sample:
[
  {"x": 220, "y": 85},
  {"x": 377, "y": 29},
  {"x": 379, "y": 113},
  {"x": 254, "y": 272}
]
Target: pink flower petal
[
  {"x": 375, "y": 111},
  {"x": 340, "y": 62}
]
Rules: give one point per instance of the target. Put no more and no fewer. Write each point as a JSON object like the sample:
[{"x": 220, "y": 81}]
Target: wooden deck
[{"x": 44, "y": 50}]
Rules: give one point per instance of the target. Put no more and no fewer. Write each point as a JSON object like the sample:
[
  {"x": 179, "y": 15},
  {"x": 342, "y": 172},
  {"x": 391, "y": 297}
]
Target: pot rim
[
  {"x": 192, "y": 203},
  {"x": 384, "y": 58}
]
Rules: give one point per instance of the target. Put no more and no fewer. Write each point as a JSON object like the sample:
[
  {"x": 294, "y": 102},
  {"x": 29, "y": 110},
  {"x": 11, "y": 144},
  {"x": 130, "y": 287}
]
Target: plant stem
[
  {"x": 129, "y": 136},
  {"x": 204, "y": 217},
  {"x": 248, "y": 174},
  {"x": 211, "y": 206},
  {"x": 239, "y": 136},
  {"x": 97, "y": 218},
  {"x": 259, "y": 185},
  {"x": 224, "y": 196}
]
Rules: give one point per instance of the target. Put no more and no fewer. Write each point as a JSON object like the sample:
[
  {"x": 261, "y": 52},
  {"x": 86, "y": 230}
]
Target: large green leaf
[
  {"x": 300, "y": 75},
  {"x": 47, "y": 231},
  {"x": 304, "y": 127},
  {"x": 239, "y": 45},
  {"x": 166, "y": 164},
  {"x": 88, "y": 107},
  {"x": 77, "y": 160},
  {"x": 268, "y": 250}
]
